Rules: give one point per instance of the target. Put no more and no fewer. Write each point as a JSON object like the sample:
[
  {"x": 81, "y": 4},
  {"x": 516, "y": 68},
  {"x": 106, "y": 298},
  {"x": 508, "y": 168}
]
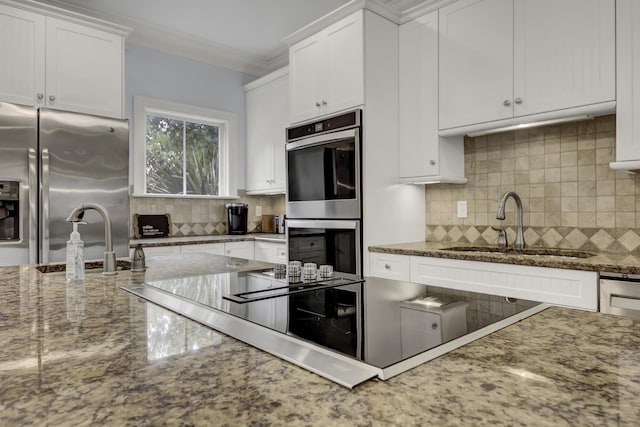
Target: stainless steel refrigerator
[{"x": 50, "y": 162}]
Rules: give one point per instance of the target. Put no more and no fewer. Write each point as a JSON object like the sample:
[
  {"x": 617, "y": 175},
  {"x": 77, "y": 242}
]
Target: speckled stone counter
[
  {"x": 88, "y": 353},
  {"x": 195, "y": 240},
  {"x": 611, "y": 262}
]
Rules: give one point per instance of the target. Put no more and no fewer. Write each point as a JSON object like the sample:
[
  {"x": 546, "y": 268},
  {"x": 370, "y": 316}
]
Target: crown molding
[
  {"x": 188, "y": 46},
  {"x": 75, "y": 16}
]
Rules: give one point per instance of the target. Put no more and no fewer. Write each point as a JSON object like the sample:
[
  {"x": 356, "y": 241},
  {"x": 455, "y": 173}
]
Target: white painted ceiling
[{"x": 250, "y": 31}]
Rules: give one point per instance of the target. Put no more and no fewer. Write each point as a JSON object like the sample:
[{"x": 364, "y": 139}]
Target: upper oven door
[{"x": 323, "y": 176}]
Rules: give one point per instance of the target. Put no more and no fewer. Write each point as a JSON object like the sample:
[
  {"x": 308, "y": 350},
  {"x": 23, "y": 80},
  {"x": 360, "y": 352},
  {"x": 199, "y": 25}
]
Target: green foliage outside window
[{"x": 182, "y": 157}]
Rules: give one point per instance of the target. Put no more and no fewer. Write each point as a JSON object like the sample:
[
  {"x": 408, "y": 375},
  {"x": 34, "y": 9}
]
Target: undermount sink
[
  {"x": 121, "y": 264},
  {"x": 567, "y": 253}
]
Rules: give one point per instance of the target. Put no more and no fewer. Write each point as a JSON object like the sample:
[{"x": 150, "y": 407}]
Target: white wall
[{"x": 155, "y": 74}]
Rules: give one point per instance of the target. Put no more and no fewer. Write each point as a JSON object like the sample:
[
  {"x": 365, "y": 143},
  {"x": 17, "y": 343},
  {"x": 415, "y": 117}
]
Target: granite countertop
[
  {"x": 218, "y": 238},
  {"x": 89, "y": 353},
  {"x": 610, "y": 262}
]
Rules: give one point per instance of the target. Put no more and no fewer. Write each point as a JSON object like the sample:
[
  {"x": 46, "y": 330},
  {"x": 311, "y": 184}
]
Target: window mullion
[{"x": 184, "y": 157}]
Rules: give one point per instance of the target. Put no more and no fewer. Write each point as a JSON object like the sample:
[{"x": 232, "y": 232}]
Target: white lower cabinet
[
  {"x": 570, "y": 288},
  {"x": 270, "y": 252},
  {"x": 390, "y": 266},
  {"x": 207, "y": 248},
  {"x": 273, "y": 312},
  {"x": 160, "y": 250},
  {"x": 242, "y": 249}
]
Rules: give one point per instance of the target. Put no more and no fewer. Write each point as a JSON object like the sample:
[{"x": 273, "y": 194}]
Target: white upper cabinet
[
  {"x": 564, "y": 54},
  {"x": 504, "y": 59},
  {"x": 84, "y": 69},
  {"x": 628, "y": 86},
  {"x": 327, "y": 70},
  {"x": 423, "y": 155},
  {"x": 476, "y": 62},
  {"x": 53, "y": 63},
  {"x": 267, "y": 116},
  {"x": 22, "y": 53}
]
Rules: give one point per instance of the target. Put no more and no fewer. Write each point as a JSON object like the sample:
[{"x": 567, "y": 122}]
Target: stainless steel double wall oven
[{"x": 324, "y": 192}]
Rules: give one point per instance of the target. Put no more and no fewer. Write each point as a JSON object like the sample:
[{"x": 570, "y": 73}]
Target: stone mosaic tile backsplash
[
  {"x": 197, "y": 217},
  {"x": 570, "y": 195}
]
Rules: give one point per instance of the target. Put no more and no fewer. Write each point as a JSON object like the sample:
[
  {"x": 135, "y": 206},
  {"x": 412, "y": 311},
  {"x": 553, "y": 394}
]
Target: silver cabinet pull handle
[
  {"x": 324, "y": 102},
  {"x": 434, "y": 325},
  {"x": 506, "y": 103},
  {"x": 518, "y": 100},
  {"x": 387, "y": 267},
  {"x": 318, "y": 104},
  {"x": 432, "y": 162},
  {"x": 40, "y": 95},
  {"x": 52, "y": 98}
]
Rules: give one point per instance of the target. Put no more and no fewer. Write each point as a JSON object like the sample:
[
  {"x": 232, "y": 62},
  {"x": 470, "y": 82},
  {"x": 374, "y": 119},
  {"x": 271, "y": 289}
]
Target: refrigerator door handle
[
  {"x": 44, "y": 205},
  {"x": 32, "y": 189}
]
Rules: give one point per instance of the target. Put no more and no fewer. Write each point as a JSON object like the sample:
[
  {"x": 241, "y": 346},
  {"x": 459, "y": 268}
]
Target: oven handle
[
  {"x": 322, "y": 139},
  {"x": 322, "y": 223}
]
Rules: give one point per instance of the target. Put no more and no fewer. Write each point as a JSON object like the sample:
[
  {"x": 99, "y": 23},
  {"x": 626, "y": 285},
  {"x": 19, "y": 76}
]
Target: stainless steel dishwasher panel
[{"x": 620, "y": 295}]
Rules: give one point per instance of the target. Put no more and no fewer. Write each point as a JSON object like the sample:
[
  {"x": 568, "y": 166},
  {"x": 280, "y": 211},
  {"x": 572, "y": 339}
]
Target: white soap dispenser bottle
[{"x": 75, "y": 255}]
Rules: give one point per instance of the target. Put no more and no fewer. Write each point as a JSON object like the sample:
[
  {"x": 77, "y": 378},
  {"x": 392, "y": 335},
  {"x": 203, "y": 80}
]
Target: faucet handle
[{"x": 502, "y": 237}]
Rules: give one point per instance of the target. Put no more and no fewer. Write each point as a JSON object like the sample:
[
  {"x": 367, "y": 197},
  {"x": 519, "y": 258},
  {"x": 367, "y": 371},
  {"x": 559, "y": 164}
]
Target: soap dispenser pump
[{"x": 75, "y": 255}]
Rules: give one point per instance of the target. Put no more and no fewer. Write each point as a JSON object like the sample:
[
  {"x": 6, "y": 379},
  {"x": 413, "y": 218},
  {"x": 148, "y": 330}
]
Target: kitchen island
[{"x": 89, "y": 353}]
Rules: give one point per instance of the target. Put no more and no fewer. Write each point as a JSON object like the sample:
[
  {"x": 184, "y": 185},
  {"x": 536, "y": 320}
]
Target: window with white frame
[{"x": 182, "y": 150}]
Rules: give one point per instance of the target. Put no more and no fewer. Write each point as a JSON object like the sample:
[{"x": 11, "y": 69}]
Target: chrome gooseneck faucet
[
  {"x": 519, "y": 244},
  {"x": 109, "y": 267}
]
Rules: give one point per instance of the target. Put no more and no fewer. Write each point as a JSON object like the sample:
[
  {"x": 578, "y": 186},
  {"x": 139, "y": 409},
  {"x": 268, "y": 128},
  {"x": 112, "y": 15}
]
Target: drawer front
[
  {"x": 390, "y": 266},
  {"x": 310, "y": 243}
]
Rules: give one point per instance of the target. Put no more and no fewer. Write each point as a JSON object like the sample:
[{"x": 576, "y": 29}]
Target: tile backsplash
[
  {"x": 197, "y": 217},
  {"x": 570, "y": 195}
]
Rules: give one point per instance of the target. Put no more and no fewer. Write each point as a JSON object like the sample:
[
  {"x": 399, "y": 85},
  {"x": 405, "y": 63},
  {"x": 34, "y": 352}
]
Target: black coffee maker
[{"x": 237, "y": 218}]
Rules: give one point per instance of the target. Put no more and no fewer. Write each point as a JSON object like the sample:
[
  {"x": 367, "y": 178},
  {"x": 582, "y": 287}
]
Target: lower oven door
[{"x": 334, "y": 242}]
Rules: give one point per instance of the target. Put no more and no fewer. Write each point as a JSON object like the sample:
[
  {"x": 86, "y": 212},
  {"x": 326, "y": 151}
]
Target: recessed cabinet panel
[
  {"x": 344, "y": 85},
  {"x": 306, "y": 68},
  {"x": 628, "y": 81},
  {"x": 267, "y": 116},
  {"x": 423, "y": 155},
  {"x": 84, "y": 69},
  {"x": 327, "y": 70},
  {"x": 476, "y": 62},
  {"x": 501, "y": 60},
  {"x": 564, "y": 54},
  {"x": 22, "y": 43}
]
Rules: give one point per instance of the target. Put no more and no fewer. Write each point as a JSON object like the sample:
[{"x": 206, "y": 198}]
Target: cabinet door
[
  {"x": 280, "y": 108},
  {"x": 259, "y": 146},
  {"x": 22, "y": 44},
  {"x": 207, "y": 248},
  {"x": 161, "y": 250},
  {"x": 418, "y": 98},
  {"x": 84, "y": 69},
  {"x": 267, "y": 116},
  {"x": 261, "y": 312},
  {"x": 476, "y": 62},
  {"x": 564, "y": 54},
  {"x": 628, "y": 76},
  {"x": 239, "y": 249},
  {"x": 306, "y": 67},
  {"x": 343, "y": 86},
  {"x": 264, "y": 251}
]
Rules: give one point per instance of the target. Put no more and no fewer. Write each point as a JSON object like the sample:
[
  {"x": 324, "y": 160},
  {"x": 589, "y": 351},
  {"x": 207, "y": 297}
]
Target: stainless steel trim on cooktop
[{"x": 335, "y": 367}]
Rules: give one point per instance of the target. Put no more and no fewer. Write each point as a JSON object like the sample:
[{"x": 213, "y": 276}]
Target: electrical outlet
[
  {"x": 258, "y": 210},
  {"x": 462, "y": 209}
]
